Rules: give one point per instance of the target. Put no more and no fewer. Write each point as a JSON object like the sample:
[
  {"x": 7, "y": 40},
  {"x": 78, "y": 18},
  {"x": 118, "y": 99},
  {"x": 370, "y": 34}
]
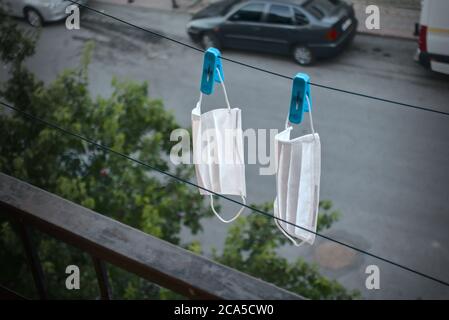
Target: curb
[{"x": 387, "y": 35}]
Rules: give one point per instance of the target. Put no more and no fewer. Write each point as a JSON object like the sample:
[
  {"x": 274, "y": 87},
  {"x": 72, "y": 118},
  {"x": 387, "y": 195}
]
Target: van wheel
[
  {"x": 209, "y": 40},
  {"x": 33, "y": 17},
  {"x": 303, "y": 55}
]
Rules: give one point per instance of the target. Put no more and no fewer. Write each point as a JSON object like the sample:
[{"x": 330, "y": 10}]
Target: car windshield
[{"x": 216, "y": 9}]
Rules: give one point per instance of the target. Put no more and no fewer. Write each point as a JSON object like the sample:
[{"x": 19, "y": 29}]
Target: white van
[{"x": 433, "y": 43}]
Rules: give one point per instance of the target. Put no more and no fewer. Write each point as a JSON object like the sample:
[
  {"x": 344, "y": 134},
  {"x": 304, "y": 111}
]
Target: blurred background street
[{"x": 385, "y": 167}]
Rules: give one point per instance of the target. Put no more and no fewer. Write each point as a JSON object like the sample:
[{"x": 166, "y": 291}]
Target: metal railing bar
[
  {"x": 102, "y": 278},
  {"x": 8, "y": 294},
  {"x": 33, "y": 260}
]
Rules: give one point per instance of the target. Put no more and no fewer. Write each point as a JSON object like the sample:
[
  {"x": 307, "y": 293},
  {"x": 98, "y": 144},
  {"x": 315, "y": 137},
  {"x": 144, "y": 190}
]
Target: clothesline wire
[
  {"x": 243, "y": 64},
  {"x": 120, "y": 154}
]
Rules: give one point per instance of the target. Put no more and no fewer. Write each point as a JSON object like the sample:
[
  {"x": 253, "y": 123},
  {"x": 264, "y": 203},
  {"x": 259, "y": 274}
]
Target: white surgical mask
[
  {"x": 218, "y": 152},
  {"x": 298, "y": 163}
]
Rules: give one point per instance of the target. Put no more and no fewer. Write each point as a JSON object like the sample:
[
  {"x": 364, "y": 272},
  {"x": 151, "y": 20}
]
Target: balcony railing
[{"x": 107, "y": 240}]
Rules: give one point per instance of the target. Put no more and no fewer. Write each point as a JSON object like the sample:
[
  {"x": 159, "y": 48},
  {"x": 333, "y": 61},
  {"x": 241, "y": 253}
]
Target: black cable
[
  {"x": 109, "y": 150},
  {"x": 243, "y": 64}
]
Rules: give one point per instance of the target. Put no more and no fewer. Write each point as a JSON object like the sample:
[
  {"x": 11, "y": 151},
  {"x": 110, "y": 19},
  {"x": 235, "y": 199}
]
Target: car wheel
[
  {"x": 209, "y": 40},
  {"x": 303, "y": 55},
  {"x": 33, "y": 17}
]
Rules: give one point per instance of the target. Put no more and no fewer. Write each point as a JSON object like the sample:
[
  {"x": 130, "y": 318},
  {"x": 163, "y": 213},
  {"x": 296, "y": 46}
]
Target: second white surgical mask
[
  {"x": 218, "y": 152},
  {"x": 297, "y": 184}
]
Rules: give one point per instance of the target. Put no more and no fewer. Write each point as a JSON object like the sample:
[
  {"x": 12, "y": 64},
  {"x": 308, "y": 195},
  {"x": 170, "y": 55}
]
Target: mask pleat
[
  {"x": 215, "y": 153},
  {"x": 316, "y": 181},
  {"x": 283, "y": 173},
  {"x": 306, "y": 190},
  {"x": 293, "y": 185},
  {"x": 239, "y": 152}
]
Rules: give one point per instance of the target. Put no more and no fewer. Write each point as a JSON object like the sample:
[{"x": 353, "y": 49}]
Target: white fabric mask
[
  {"x": 298, "y": 171},
  {"x": 218, "y": 152}
]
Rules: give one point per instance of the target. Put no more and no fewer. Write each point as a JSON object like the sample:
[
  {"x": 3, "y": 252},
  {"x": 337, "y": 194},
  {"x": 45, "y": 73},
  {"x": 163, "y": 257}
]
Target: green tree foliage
[{"x": 132, "y": 123}]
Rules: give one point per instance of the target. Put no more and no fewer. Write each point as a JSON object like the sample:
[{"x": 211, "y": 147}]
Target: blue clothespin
[
  {"x": 212, "y": 61},
  {"x": 298, "y": 104}
]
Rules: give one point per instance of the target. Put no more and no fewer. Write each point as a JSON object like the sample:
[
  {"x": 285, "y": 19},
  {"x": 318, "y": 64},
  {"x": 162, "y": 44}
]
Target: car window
[
  {"x": 279, "y": 14},
  {"x": 300, "y": 18},
  {"x": 220, "y": 8},
  {"x": 250, "y": 13},
  {"x": 313, "y": 8}
]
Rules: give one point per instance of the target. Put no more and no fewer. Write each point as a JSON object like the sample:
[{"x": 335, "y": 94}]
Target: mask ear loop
[
  {"x": 287, "y": 126},
  {"x": 313, "y": 154},
  {"x": 200, "y": 100},
  {"x": 294, "y": 241},
  {"x": 310, "y": 116},
  {"x": 218, "y": 215},
  {"x": 211, "y": 196},
  {"x": 224, "y": 90}
]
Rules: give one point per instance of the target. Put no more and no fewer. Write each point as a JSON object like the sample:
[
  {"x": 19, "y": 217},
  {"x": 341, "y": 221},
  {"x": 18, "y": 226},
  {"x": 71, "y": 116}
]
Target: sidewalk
[
  {"x": 396, "y": 19},
  {"x": 190, "y": 6}
]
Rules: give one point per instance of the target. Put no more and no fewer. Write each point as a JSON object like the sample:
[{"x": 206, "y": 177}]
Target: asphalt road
[{"x": 385, "y": 167}]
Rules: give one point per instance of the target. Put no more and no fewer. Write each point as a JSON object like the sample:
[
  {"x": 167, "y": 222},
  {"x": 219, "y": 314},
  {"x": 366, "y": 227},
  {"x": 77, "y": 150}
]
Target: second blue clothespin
[
  {"x": 212, "y": 62},
  {"x": 298, "y": 103}
]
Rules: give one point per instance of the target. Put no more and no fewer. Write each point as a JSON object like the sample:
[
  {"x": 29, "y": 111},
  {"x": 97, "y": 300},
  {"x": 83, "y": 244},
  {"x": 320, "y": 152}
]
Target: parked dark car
[{"x": 306, "y": 29}]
